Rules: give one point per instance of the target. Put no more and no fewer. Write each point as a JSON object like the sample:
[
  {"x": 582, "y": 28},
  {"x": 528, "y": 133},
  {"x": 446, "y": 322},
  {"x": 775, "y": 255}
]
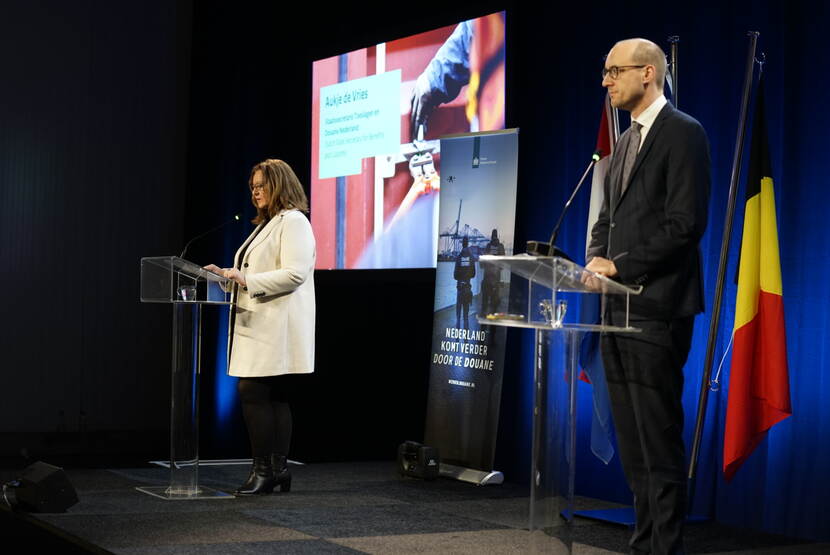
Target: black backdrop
[
  {"x": 124, "y": 131},
  {"x": 250, "y": 99},
  {"x": 93, "y": 115}
]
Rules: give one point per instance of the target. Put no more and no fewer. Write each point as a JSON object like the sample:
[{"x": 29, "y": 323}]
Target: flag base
[{"x": 625, "y": 516}]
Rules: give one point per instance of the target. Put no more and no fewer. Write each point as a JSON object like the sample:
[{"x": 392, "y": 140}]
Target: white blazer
[{"x": 273, "y": 331}]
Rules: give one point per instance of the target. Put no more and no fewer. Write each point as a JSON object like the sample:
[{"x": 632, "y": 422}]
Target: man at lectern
[
  {"x": 649, "y": 227},
  {"x": 271, "y": 332}
]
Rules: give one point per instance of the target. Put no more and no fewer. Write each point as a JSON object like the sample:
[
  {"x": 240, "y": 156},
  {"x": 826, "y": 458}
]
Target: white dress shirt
[{"x": 647, "y": 117}]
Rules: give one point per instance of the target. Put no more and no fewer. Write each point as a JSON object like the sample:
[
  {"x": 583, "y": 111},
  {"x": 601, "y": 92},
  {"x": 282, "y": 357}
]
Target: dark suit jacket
[{"x": 651, "y": 227}]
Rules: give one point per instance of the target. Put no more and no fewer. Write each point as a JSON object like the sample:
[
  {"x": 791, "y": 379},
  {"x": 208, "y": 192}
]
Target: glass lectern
[
  {"x": 550, "y": 296},
  {"x": 188, "y": 286}
]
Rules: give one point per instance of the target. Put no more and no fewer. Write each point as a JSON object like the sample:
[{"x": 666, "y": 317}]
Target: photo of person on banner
[
  {"x": 490, "y": 285},
  {"x": 465, "y": 270}
]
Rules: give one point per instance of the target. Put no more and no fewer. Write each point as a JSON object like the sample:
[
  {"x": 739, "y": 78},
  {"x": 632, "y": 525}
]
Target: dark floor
[{"x": 334, "y": 508}]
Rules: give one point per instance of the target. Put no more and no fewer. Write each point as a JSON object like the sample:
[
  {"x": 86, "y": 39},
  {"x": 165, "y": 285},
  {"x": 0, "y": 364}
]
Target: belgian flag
[{"x": 759, "y": 389}]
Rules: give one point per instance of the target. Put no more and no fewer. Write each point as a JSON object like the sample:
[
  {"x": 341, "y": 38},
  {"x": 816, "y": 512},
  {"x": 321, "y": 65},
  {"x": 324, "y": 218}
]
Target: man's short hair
[{"x": 648, "y": 53}]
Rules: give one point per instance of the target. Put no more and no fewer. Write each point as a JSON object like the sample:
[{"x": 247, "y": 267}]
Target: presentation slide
[{"x": 377, "y": 116}]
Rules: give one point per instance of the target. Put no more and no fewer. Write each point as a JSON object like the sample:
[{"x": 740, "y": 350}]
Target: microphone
[
  {"x": 539, "y": 248},
  {"x": 236, "y": 217}
]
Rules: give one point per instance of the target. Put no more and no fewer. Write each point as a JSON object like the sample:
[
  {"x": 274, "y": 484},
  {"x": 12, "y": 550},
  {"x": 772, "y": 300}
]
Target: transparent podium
[
  {"x": 550, "y": 295},
  {"x": 187, "y": 286}
]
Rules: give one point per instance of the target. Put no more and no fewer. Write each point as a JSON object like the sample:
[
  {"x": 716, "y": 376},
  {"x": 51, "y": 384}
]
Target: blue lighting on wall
[{"x": 225, "y": 386}]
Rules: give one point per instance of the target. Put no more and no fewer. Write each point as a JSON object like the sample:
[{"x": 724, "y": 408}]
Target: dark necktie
[{"x": 630, "y": 153}]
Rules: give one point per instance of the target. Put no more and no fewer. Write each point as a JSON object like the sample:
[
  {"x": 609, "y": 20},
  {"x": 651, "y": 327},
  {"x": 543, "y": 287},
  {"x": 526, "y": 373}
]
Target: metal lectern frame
[
  {"x": 540, "y": 290},
  {"x": 187, "y": 286}
]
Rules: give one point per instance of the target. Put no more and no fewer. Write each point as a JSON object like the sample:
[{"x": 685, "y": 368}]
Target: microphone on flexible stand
[
  {"x": 236, "y": 217},
  {"x": 539, "y": 248}
]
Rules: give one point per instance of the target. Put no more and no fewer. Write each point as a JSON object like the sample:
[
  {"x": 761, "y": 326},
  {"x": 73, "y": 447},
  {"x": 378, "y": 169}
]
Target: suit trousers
[{"x": 645, "y": 383}]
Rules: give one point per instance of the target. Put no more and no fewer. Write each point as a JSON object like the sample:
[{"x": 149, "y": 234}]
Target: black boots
[
  {"x": 261, "y": 479},
  {"x": 266, "y": 473},
  {"x": 282, "y": 475}
]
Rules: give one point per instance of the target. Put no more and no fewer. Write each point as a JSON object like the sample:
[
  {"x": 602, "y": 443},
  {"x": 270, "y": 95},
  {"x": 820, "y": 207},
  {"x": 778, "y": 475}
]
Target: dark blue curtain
[{"x": 784, "y": 486}]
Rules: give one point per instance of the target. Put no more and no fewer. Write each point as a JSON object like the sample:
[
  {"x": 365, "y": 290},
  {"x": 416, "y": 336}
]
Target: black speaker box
[
  {"x": 418, "y": 461},
  {"x": 43, "y": 488}
]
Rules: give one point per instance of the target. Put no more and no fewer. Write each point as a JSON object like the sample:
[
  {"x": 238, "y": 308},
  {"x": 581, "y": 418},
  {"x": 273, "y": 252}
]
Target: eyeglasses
[
  {"x": 614, "y": 71},
  {"x": 258, "y": 187}
]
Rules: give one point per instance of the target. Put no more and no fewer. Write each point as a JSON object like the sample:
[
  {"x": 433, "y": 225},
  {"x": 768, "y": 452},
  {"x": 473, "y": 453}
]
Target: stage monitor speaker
[
  {"x": 41, "y": 488},
  {"x": 418, "y": 461}
]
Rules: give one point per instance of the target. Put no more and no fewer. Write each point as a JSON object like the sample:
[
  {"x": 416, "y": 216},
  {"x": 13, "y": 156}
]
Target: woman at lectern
[{"x": 271, "y": 332}]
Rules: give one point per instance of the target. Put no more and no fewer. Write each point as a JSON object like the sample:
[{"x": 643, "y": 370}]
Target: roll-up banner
[{"x": 476, "y": 217}]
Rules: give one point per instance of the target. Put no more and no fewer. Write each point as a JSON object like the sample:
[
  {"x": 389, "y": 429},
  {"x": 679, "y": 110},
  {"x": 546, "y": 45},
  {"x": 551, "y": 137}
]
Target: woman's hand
[
  {"x": 230, "y": 273},
  {"x": 235, "y": 275}
]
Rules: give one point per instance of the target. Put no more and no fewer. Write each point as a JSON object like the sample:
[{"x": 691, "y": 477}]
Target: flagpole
[
  {"x": 724, "y": 251},
  {"x": 674, "y": 40}
]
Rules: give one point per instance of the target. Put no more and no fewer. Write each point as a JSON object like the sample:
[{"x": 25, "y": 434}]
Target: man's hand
[
  {"x": 591, "y": 281},
  {"x": 422, "y": 105},
  {"x": 602, "y": 266}
]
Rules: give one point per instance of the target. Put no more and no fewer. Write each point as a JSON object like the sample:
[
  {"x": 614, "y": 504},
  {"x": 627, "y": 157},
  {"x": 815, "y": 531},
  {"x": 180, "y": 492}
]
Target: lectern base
[{"x": 173, "y": 494}]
